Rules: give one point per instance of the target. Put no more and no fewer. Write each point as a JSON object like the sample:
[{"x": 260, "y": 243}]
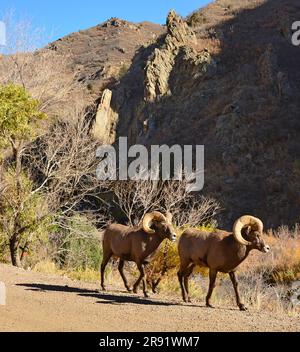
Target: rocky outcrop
[
  {"x": 155, "y": 75},
  {"x": 232, "y": 84},
  {"x": 104, "y": 127},
  {"x": 160, "y": 64}
]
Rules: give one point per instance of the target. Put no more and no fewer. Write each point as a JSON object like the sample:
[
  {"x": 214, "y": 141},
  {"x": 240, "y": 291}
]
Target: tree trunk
[
  {"x": 13, "y": 242},
  {"x": 18, "y": 163},
  {"x": 14, "y": 252}
]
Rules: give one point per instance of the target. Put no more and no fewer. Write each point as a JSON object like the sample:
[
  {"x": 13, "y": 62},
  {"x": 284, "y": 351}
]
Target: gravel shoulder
[{"x": 42, "y": 302}]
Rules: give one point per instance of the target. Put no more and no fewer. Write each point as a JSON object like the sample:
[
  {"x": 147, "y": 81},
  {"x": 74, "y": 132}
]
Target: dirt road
[{"x": 42, "y": 302}]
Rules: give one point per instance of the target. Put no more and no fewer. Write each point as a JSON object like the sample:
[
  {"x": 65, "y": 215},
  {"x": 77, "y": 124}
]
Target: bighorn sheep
[
  {"x": 219, "y": 251},
  {"x": 137, "y": 244}
]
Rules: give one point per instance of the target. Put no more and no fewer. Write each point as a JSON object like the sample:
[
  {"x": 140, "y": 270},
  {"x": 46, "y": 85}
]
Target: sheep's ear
[
  {"x": 247, "y": 230},
  {"x": 153, "y": 225}
]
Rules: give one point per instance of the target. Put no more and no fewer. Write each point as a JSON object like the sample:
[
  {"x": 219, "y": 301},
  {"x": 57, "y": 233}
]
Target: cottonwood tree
[
  {"x": 47, "y": 76},
  {"x": 46, "y": 176},
  {"x": 21, "y": 215},
  {"x": 19, "y": 117},
  {"x": 58, "y": 181}
]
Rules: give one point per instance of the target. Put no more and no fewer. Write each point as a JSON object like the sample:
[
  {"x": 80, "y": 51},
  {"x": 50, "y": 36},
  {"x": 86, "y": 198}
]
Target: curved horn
[
  {"x": 169, "y": 217},
  {"x": 149, "y": 217},
  {"x": 246, "y": 220}
]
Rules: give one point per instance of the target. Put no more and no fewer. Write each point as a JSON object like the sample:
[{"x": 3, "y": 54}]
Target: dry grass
[
  {"x": 282, "y": 264},
  {"x": 265, "y": 279},
  {"x": 86, "y": 275}
]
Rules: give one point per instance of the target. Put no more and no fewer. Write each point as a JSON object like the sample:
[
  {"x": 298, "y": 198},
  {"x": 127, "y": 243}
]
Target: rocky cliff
[{"x": 229, "y": 80}]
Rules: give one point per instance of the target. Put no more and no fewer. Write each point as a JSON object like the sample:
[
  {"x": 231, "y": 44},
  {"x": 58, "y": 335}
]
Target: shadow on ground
[{"x": 105, "y": 298}]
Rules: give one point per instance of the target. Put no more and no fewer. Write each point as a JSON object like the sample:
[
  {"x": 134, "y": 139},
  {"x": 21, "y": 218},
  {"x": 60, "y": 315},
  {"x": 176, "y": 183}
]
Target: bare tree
[
  {"x": 59, "y": 181},
  {"x": 63, "y": 164},
  {"x": 188, "y": 208},
  {"x": 135, "y": 198},
  {"x": 46, "y": 74}
]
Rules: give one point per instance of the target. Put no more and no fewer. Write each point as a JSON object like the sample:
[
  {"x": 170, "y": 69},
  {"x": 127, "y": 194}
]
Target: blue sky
[{"x": 61, "y": 17}]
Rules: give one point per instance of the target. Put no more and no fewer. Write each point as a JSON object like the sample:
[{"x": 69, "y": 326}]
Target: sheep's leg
[
  {"x": 105, "y": 260},
  {"x": 212, "y": 284},
  {"x": 138, "y": 281},
  {"x": 142, "y": 277},
  {"x": 120, "y": 268},
  {"x": 155, "y": 284},
  {"x": 187, "y": 274},
  {"x": 180, "y": 274},
  {"x": 145, "y": 285},
  {"x": 235, "y": 286}
]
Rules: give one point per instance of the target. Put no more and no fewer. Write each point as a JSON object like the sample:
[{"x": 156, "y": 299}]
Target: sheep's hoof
[
  {"x": 208, "y": 305},
  {"x": 128, "y": 289},
  {"x": 243, "y": 308},
  {"x": 189, "y": 300},
  {"x": 103, "y": 288},
  {"x": 135, "y": 290}
]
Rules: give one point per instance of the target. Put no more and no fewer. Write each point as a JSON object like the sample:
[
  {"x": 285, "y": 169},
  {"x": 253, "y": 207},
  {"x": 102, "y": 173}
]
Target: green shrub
[
  {"x": 76, "y": 245},
  {"x": 19, "y": 114}
]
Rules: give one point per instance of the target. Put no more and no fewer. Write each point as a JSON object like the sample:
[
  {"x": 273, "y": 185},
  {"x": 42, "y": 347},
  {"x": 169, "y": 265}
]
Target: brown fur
[
  {"x": 133, "y": 244},
  {"x": 219, "y": 251}
]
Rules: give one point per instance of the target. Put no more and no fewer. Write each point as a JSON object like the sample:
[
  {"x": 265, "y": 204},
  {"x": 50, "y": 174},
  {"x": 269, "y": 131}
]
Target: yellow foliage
[
  {"x": 47, "y": 267},
  {"x": 87, "y": 275},
  {"x": 282, "y": 263}
]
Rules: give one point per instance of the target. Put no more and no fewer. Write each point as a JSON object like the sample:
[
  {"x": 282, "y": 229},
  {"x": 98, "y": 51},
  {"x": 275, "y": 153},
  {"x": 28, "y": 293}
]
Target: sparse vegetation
[
  {"x": 55, "y": 240},
  {"x": 122, "y": 71},
  {"x": 264, "y": 280},
  {"x": 52, "y": 207},
  {"x": 259, "y": 292},
  {"x": 196, "y": 19}
]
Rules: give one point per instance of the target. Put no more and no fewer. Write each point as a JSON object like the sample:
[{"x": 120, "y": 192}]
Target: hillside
[
  {"x": 227, "y": 77},
  {"x": 230, "y": 81},
  {"x": 99, "y": 55}
]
